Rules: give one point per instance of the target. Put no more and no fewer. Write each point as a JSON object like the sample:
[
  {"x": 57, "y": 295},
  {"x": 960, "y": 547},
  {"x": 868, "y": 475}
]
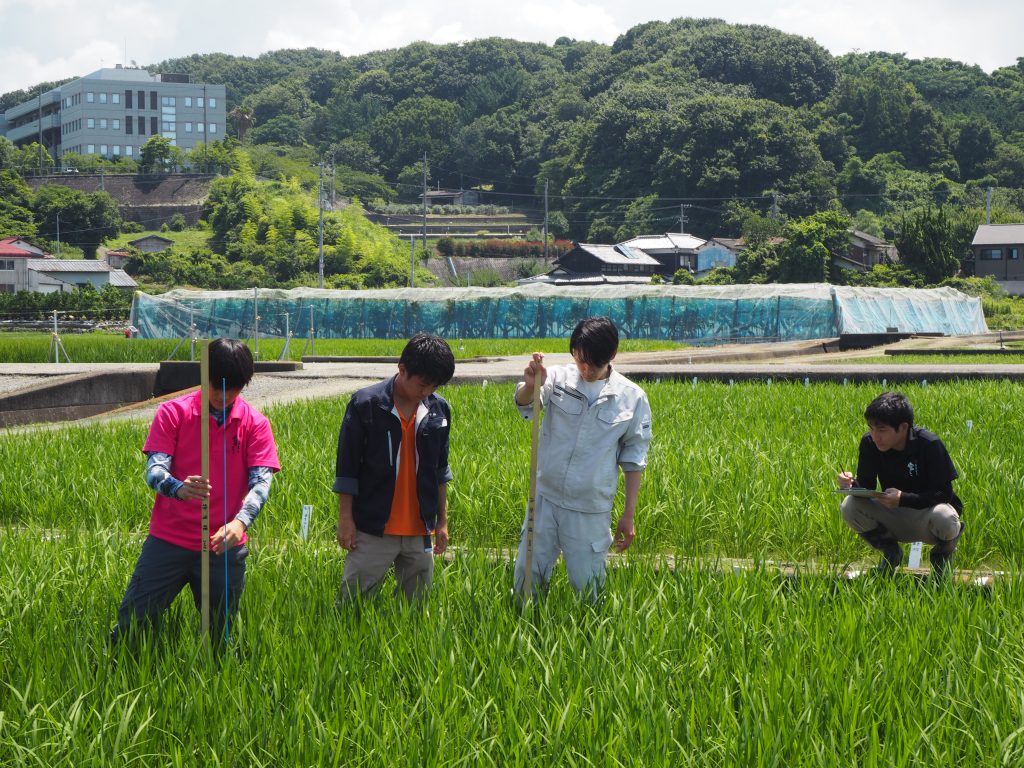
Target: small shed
[{"x": 151, "y": 243}]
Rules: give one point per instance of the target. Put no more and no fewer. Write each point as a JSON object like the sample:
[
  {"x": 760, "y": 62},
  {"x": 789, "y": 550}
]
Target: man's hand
[
  {"x": 440, "y": 539},
  {"x": 194, "y": 487},
  {"x": 624, "y": 534},
  {"x": 346, "y": 532},
  {"x": 227, "y": 537},
  {"x": 533, "y": 376},
  {"x": 845, "y": 480},
  {"x": 891, "y": 499}
]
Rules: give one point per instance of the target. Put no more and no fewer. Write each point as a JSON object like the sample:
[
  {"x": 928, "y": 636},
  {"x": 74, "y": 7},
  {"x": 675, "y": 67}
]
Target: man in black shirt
[{"x": 916, "y": 475}]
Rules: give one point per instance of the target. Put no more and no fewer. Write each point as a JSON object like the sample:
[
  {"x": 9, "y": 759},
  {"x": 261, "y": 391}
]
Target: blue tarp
[{"x": 705, "y": 314}]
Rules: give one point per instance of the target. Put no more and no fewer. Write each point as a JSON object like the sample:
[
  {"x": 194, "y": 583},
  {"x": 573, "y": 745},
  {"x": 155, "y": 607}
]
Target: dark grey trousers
[{"x": 163, "y": 570}]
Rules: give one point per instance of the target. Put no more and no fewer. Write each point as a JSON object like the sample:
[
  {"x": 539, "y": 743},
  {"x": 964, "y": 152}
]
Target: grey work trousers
[
  {"x": 932, "y": 525},
  {"x": 368, "y": 563},
  {"x": 583, "y": 540}
]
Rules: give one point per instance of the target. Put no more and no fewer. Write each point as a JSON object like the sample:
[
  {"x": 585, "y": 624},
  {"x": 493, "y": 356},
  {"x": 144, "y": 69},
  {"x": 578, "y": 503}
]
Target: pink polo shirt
[{"x": 176, "y": 430}]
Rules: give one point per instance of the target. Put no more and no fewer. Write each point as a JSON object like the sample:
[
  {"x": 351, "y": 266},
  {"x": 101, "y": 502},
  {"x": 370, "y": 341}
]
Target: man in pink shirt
[{"x": 240, "y": 440}]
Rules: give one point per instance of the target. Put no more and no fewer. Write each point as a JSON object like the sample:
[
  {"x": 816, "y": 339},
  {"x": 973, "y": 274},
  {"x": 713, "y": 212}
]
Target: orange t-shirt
[{"x": 405, "y": 517}]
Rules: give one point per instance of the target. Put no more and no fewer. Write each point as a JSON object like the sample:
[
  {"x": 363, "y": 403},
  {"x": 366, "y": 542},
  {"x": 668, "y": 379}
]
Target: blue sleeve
[
  {"x": 350, "y": 452},
  {"x": 158, "y": 474}
]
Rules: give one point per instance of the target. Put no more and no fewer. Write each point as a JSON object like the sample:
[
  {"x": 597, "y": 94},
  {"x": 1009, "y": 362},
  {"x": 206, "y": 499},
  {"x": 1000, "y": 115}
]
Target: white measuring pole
[
  {"x": 531, "y": 509},
  {"x": 914, "y": 561}
]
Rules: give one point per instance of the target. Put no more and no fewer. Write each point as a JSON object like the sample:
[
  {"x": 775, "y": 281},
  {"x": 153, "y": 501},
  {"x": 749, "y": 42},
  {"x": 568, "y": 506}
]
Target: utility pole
[
  {"x": 424, "y": 202},
  {"x": 545, "y": 219},
  {"x": 332, "y": 183},
  {"x": 988, "y": 206},
  {"x": 58, "y": 234},
  {"x": 412, "y": 261},
  {"x": 320, "y": 239},
  {"x": 40, "y": 130},
  {"x": 682, "y": 218}
]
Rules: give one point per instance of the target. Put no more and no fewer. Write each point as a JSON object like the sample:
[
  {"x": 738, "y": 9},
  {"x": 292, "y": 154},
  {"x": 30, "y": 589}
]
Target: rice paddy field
[
  {"x": 686, "y": 665},
  {"x": 114, "y": 348}
]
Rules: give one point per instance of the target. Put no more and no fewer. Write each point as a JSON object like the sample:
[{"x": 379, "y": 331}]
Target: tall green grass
[
  {"x": 683, "y": 666},
  {"x": 673, "y": 668},
  {"x": 741, "y": 471}
]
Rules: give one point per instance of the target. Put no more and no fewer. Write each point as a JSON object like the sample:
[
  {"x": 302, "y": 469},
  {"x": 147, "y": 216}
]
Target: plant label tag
[
  {"x": 914, "y": 561},
  {"x": 970, "y": 425},
  {"x": 307, "y": 510}
]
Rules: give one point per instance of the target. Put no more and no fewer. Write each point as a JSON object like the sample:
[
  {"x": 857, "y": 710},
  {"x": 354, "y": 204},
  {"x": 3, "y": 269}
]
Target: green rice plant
[
  {"x": 734, "y": 471},
  {"x": 673, "y": 667},
  {"x": 115, "y": 348}
]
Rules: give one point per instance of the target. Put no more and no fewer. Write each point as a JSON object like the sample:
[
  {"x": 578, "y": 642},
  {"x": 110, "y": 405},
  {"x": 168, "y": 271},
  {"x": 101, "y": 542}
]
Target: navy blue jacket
[{"x": 368, "y": 446}]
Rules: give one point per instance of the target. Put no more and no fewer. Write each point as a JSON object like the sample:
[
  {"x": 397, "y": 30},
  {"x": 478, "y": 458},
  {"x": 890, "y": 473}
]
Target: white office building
[{"x": 113, "y": 112}]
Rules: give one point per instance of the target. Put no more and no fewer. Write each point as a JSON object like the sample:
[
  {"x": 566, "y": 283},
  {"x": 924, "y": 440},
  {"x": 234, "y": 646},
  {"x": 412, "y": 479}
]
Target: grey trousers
[
  {"x": 367, "y": 564},
  {"x": 932, "y": 525},
  {"x": 583, "y": 540}
]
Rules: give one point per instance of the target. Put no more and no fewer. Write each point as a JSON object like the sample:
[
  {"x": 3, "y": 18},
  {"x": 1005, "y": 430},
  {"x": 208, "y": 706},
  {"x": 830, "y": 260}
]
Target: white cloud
[{"x": 64, "y": 38}]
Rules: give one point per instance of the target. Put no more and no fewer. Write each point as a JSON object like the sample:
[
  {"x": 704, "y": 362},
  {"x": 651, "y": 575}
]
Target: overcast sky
[{"x": 53, "y": 39}]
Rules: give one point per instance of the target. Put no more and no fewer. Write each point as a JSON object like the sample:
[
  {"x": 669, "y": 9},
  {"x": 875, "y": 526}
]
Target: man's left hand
[
  {"x": 891, "y": 499},
  {"x": 440, "y": 539},
  {"x": 624, "y": 534},
  {"x": 228, "y": 536}
]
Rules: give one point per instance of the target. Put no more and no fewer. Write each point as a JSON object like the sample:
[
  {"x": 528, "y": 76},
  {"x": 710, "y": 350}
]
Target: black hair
[
  {"x": 596, "y": 339},
  {"x": 892, "y": 408},
  {"x": 430, "y": 358},
  {"x": 230, "y": 362}
]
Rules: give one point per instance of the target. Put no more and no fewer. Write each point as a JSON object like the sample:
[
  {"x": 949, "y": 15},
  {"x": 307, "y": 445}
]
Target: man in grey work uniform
[{"x": 596, "y": 421}]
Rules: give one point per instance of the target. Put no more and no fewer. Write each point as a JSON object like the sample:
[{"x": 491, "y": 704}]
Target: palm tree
[{"x": 243, "y": 118}]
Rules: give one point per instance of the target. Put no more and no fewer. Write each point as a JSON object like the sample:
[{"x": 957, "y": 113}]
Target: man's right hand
[
  {"x": 346, "y": 532},
  {"x": 845, "y": 480}
]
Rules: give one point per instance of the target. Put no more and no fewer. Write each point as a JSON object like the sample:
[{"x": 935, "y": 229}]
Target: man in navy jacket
[{"x": 392, "y": 472}]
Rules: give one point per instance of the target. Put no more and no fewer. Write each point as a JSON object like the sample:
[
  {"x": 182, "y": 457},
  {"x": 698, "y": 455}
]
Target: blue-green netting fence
[{"x": 696, "y": 314}]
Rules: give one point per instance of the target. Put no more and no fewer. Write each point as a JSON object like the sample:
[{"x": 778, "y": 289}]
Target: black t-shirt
[{"x": 923, "y": 470}]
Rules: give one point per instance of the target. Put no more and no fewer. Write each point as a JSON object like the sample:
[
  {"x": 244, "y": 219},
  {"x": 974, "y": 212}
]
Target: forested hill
[{"x": 719, "y": 117}]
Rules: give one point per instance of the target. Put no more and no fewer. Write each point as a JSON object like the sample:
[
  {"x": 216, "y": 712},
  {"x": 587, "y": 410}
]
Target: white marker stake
[
  {"x": 970, "y": 425},
  {"x": 914, "y": 561},
  {"x": 307, "y": 510}
]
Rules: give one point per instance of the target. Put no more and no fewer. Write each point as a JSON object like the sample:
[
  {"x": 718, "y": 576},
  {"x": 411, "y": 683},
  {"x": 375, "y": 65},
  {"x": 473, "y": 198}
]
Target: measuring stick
[
  {"x": 531, "y": 508},
  {"x": 204, "y": 561}
]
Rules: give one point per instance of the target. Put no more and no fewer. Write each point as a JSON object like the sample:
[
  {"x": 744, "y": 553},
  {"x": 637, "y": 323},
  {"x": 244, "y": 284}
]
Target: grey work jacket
[{"x": 582, "y": 444}]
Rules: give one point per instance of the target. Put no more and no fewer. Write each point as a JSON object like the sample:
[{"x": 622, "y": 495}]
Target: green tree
[
  {"x": 16, "y": 217},
  {"x": 86, "y": 219},
  {"x": 932, "y": 244},
  {"x": 159, "y": 155},
  {"x": 811, "y": 244}
]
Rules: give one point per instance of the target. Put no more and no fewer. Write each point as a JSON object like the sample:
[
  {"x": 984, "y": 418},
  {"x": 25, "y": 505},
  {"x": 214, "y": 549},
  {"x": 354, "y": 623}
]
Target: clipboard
[{"x": 863, "y": 493}]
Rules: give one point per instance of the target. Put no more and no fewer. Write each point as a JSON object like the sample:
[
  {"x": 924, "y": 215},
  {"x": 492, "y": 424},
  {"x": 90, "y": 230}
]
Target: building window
[
  {"x": 213, "y": 127},
  {"x": 90, "y": 122},
  {"x": 90, "y": 97},
  {"x": 152, "y": 100},
  {"x": 188, "y": 101},
  {"x": 152, "y": 126},
  {"x": 166, "y": 126},
  {"x": 167, "y": 101},
  {"x": 128, "y": 150},
  {"x": 103, "y": 150},
  {"x": 991, "y": 254},
  {"x": 213, "y": 103},
  {"x": 199, "y": 127},
  {"x": 103, "y": 123},
  {"x": 199, "y": 101},
  {"x": 1013, "y": 253},
  {"x": 142, "y": 99},
  {"x": 128, "y": 99},
  {"x": 117, "y": 150},
  {"x": 90, "y": 149},
  {"x": 115, "y": 124},
  {"x": 103, "y": 98},
  {"x": 142, "y": 125},
  {"x": 188, "y": 127},
  {"x": 128, "y": 124},
  {"x": 6, "y": 265},
  {"x": 115, "y": 98},
  {"x": 6, "y": 288}
]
